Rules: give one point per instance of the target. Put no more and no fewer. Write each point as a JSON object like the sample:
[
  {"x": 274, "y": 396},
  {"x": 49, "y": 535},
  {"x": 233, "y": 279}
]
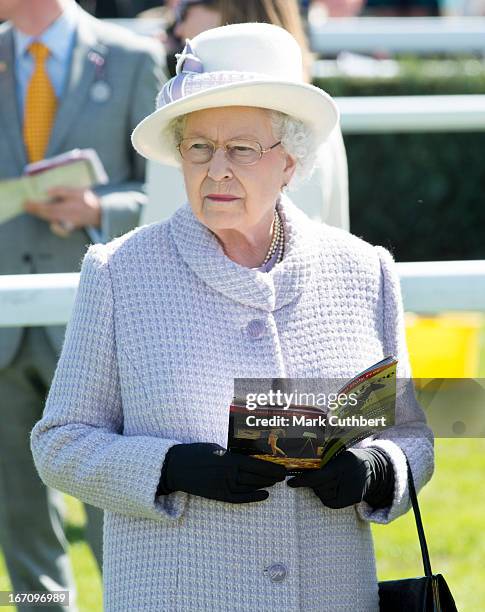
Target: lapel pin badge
[{"x": 100, "y": 90}]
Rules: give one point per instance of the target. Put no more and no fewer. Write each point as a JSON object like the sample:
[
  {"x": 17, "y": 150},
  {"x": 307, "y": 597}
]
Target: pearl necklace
[{"x": 277, "y": 242}]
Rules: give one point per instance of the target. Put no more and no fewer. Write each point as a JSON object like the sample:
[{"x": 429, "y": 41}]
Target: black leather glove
[
  {"x": 354, "y": 475},
  {"x": 208, "y": 470}
]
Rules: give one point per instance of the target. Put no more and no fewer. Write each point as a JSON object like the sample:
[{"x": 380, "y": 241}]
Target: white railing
[
  {"x": 375, "y": 114},
  {"x": 438, "y": 286},
  {"x": 427, "y": 287},
  {"x": 421, "y": 35},
  {"x": 37, "y": 299}
]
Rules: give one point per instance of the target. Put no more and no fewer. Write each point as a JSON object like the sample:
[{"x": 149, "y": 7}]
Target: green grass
[{"x": 451, "y": 504}]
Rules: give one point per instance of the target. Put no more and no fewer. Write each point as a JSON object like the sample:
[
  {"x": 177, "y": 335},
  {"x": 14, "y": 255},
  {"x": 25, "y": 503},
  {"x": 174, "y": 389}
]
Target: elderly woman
[
  {"x": 238, "y": 283},
  {"x": 326, "y": 196}
]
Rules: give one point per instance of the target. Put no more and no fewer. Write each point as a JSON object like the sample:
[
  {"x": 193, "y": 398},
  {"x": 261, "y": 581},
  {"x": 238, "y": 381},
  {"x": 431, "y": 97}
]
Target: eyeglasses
[{"x": 239, "y": 151}]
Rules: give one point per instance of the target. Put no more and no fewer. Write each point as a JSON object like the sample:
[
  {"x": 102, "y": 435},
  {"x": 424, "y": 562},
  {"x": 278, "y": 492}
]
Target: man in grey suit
[{"x": 105, "y": 80}]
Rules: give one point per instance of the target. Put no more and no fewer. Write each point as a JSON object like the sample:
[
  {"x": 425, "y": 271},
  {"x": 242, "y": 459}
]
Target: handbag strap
[{"x": 419, "y": 523}]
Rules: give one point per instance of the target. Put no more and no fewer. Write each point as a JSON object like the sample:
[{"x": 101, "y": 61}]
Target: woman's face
[
  {"x": 198, "y": 18},
  {"x": 254, "y": 189}
]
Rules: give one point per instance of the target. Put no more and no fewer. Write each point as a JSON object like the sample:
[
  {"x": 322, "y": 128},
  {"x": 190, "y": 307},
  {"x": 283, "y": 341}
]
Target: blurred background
[{"x": 415, "y": 186}]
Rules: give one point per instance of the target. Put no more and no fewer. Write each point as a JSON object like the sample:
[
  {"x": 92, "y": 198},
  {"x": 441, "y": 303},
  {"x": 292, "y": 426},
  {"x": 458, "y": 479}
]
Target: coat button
[
  {"x": 276, "y": 572},
  {"x": 256, "y": 328}
]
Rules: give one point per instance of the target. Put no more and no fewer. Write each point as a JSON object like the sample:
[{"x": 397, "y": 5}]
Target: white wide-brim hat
[{"x": 247, "y": 64}]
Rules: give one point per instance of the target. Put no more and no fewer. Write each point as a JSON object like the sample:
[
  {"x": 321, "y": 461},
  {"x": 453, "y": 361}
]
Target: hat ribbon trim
[{"x": 187, "y": 63}]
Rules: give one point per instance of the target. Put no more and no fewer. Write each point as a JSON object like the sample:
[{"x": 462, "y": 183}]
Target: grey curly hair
[{"x": 296, "y": 138}]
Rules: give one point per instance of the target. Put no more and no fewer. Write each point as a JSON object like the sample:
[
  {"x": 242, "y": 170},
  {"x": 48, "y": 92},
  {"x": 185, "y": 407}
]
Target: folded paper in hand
[{"x": 77, "y": 168}]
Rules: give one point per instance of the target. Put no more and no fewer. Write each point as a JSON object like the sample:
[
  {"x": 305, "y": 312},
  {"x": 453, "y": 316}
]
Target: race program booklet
[
  {"x": 77, "y": 168},
  {"x": 305, "y": 437}
]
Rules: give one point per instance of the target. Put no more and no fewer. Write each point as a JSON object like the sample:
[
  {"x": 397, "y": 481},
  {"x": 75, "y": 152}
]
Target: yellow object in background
[{"x": 444, "y": 346}]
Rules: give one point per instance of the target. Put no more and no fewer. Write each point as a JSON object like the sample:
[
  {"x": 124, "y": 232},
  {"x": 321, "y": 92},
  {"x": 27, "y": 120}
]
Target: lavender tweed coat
[{"x": 162, "y": 324}]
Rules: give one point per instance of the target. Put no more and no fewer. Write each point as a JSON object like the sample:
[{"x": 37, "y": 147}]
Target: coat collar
[{"x": 267, "y": 291}]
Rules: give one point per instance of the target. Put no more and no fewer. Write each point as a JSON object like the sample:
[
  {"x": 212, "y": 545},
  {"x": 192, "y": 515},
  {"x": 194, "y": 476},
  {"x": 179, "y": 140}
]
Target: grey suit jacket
[{"x": 132, "y": 70}]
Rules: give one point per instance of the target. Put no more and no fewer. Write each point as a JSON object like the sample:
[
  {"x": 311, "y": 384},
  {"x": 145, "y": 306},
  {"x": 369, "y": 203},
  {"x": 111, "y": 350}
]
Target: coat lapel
[
  {"x": 267, "y": 291},
  {"x": 11, "y": 124},
  {"x": 81, "y": 77}
]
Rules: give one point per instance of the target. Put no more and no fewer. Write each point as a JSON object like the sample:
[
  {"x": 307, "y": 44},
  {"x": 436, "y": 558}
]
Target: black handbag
[{"x": 430, "y": 593}]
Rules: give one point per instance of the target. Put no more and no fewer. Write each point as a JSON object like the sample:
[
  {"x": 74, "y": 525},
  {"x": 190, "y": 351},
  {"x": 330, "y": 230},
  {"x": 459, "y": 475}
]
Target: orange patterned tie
[{"x": 40, "y": 105}]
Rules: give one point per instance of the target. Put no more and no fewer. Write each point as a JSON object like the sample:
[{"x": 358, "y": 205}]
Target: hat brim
[{"x": 302, "y": 101}]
